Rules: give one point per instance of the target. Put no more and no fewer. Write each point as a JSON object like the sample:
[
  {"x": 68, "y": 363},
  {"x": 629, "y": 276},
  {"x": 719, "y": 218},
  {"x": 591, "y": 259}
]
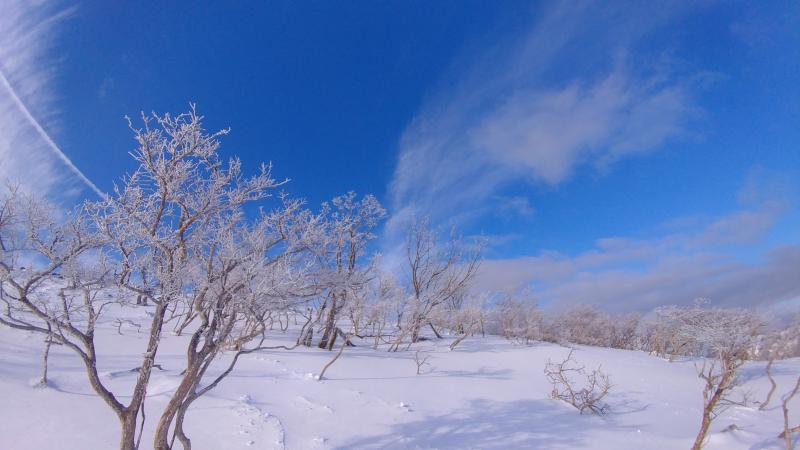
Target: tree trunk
[
  {"x": 178, "y": 400},
  {"x": 309, "y": 337},
  {"x": 701, "y": 435},
  {"x": 768, "y": 371},
  {"x": 47, "y": 342},
  {"x": 708, "y": 409},
  {"x": 179, "y": 433},
  {"x": 330, "y": 363},
  {"x": 331, "y": 340},
  {"x": 161, "y": 439},
  {"x": 328, "y": 333},
  {"x": 455, "y": 343},
  {"x": 306, "y": 333},
  {"x": 415, "y": 334},
  {"x": 128, "y": 426},
  {"x": 436, "y": 333}
]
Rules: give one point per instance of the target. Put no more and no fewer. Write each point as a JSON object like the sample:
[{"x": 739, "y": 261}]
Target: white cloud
[
  {"x": 546, "y": 134},
  {"x": 567, "y": 93},
  {"x": 28, "y": 155}
]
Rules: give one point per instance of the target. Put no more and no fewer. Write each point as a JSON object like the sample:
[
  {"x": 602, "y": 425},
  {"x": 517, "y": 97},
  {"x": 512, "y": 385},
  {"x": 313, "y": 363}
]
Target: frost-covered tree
[
  {"x": 179, "y": 229},
  {"x": 350, "y": 223},
  {"x": 384, "y": 303},
  {"x": 437, "y": 273},
  {"x": 625, "y": 331},
  {"x": 165, "y": 220},
  {"x": 726, "y": 337},
  {"x": 175, "y": 234},
  {"x": 587, "y": 325},
  {"x": 519, "y": 319},
  {"x": 250, "y": 272},
  {"x": 466, "y": 321},
  {"x": 50, "y": 285}
]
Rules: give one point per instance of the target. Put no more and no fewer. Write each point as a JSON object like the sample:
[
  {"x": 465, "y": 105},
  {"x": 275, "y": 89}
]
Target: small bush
[{"x": 596, "y": 386}]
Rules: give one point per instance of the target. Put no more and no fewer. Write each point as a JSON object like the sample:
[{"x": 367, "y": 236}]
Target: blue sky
[{"x": 628, "y": 154}]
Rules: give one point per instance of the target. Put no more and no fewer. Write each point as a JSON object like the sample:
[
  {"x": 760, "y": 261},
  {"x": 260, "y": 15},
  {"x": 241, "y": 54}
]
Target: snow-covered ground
[{"x": 487, "y": 394}]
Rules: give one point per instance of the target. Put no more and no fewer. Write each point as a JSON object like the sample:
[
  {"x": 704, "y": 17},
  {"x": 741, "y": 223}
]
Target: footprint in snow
[{"x": 258, "y": 422}]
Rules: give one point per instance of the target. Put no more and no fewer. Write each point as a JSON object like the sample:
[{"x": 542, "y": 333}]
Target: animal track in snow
[{"x": 257, "y": 422}]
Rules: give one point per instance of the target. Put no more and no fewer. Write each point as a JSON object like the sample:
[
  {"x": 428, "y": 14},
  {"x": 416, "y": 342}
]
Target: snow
[{"x": 487, "y": 394}]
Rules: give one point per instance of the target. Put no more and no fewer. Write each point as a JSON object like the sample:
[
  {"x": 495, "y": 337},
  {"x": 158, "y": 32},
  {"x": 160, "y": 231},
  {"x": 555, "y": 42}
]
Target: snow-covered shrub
[
  {"x": 714, "y": 332},
  {"x": 585, "y": 325},
  {"x": 421, "y": 358},
  {"x": 625, "y": 331},
  {"x": 657, "y": 337},
  {"x": 519, "y": 320},
  {"x": 779, "y": 342}
]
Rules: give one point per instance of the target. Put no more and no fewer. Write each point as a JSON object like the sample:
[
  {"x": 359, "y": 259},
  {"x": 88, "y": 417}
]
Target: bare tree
[
  {"x": 588, "y": 397},
  {"x": 421, "y": 358},
  {"x": 437, "y": 274},
  {"x": 655, "y": 336}
]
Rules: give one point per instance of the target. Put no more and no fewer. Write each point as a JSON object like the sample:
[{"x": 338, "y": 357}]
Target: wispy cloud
[
  {"x": 570, "y": 92},
  {"x": 29, "y": 155},
  {"x": 545, "y": 134},
  {"x": 577, "y": 92},
  {"x": 514, "y": 206}
]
